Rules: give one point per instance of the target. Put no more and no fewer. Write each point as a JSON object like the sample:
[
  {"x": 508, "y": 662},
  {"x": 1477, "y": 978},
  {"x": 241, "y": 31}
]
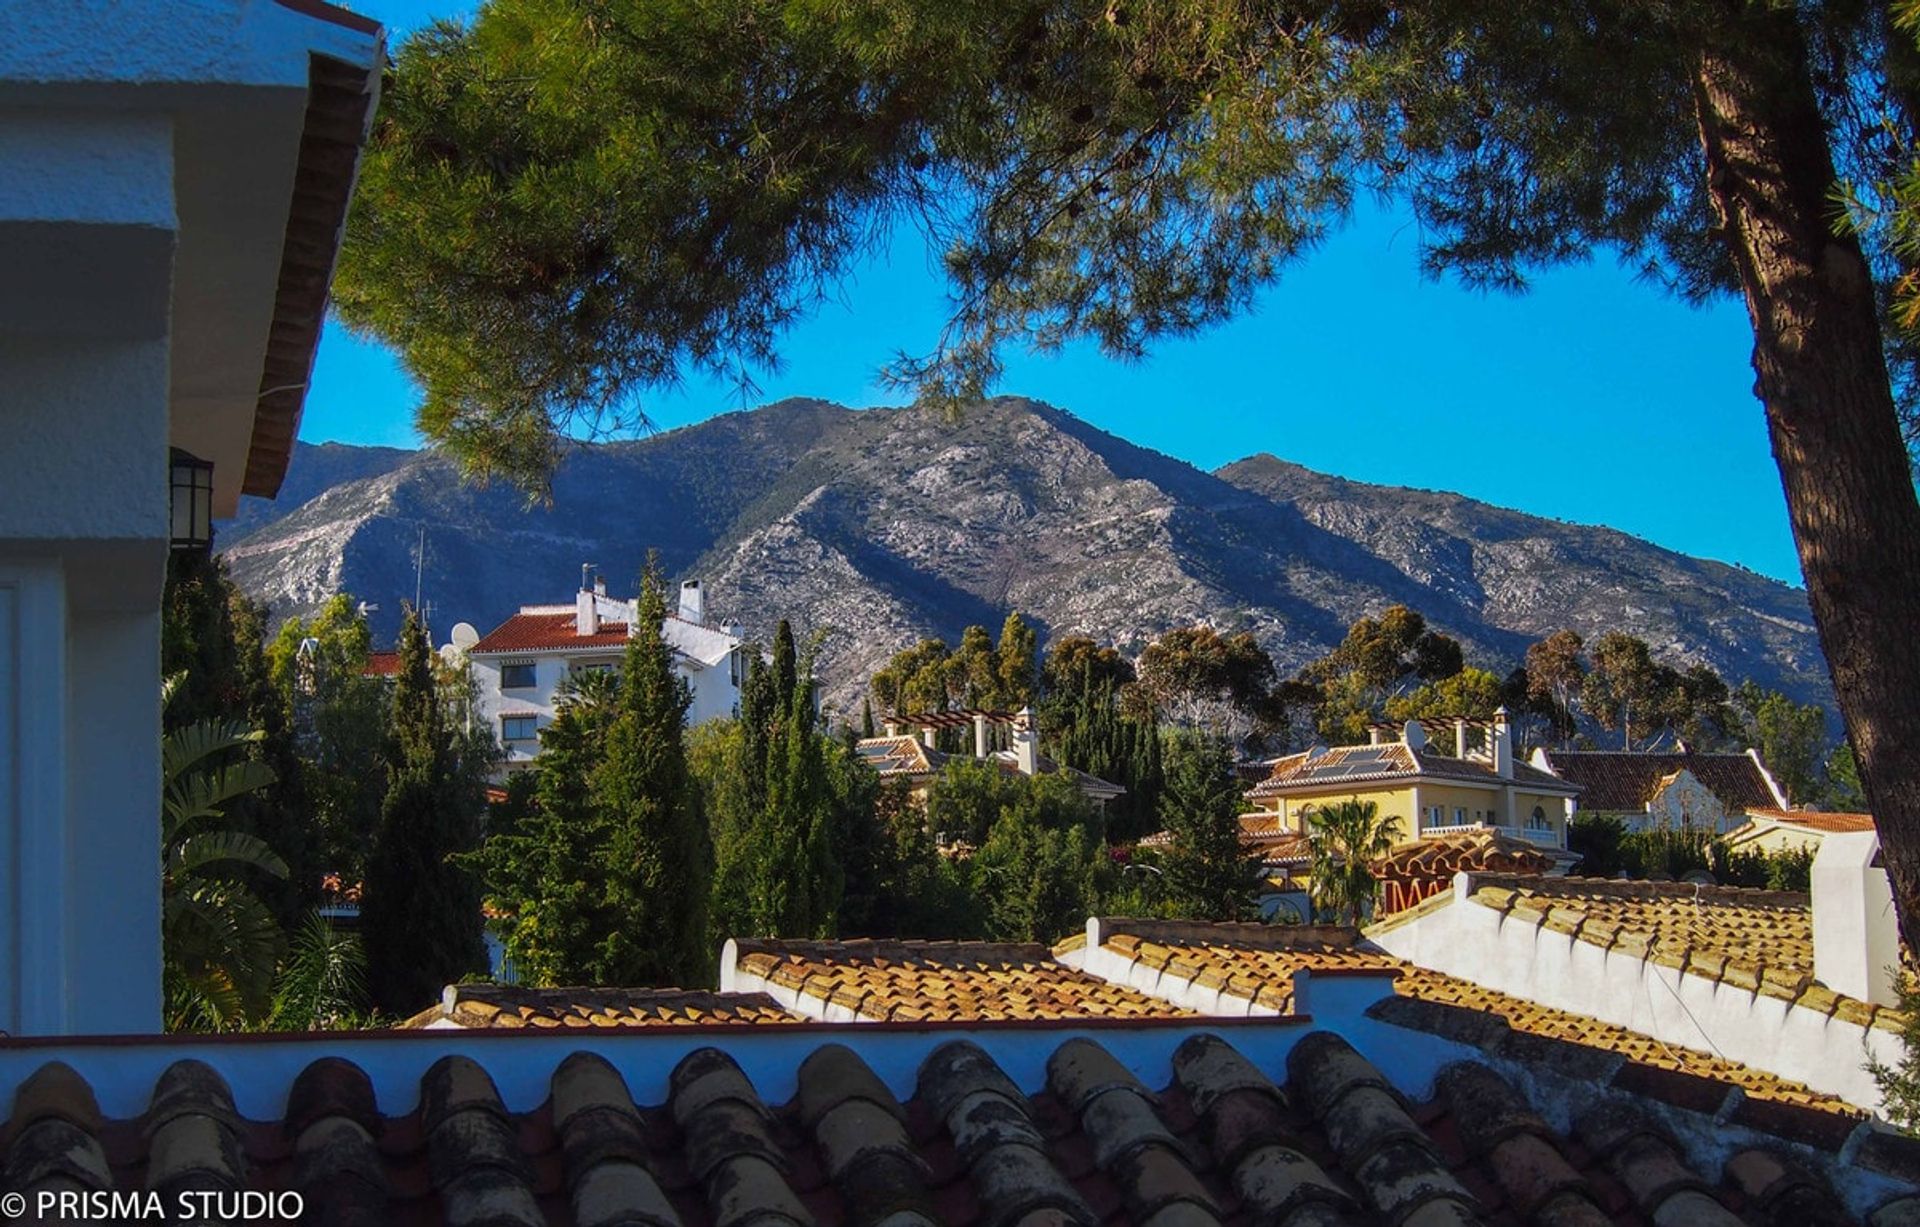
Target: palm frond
[{"x": 194, "y": 853}]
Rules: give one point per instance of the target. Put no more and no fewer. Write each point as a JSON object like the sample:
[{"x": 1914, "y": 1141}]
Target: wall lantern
[{"x": 192, "y": 483}]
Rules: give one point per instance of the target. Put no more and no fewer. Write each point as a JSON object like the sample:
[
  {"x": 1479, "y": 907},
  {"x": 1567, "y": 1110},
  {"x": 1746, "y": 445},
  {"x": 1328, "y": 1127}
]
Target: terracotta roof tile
[
  {"x": 1618, "y": 781},
  {"x": 1758, "y": 940},
  {"x": 1815, "y": 820},
  {"x": 527, "y": 632},
  {"x": 943, "y": 981},
  {"x": 508, "y": 1006},
  {"x": 1258, "y": 962},
  {"x": 1319, "y": 1136}
]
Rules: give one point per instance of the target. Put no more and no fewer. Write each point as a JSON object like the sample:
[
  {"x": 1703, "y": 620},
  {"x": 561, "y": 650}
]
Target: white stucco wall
[{"x": 1531, "y": 961}]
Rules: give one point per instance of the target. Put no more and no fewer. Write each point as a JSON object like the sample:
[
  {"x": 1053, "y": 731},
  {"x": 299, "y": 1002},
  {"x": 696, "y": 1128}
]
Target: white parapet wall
[{"x": 1514, "y": 954}]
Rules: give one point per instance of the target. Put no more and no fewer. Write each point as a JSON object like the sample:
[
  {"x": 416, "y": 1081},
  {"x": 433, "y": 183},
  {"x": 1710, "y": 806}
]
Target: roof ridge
[{"x": 1251, "y": 933}]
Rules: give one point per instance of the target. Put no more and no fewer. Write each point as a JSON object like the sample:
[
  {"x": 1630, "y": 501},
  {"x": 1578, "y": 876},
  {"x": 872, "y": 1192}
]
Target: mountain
[{"x": 877, "y": 527}]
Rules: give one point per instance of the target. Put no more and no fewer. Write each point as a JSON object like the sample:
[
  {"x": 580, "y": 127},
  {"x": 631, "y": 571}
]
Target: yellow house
[{"x": 1431, "y": 793}]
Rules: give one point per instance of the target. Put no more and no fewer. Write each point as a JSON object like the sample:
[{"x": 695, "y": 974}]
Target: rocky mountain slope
[{"x": 877, "y": 527}]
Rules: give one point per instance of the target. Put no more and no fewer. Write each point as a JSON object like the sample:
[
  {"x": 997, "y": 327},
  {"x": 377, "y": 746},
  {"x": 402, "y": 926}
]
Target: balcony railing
[{"x": 1545, "y": 837}]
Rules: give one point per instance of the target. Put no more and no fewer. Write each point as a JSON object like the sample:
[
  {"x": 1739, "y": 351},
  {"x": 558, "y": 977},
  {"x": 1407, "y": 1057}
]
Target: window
[
  {"x": 1460, "y": 815},
  {"x": 519, "y": 728},
  {"x": 1537, "y": 821},
  {"x": 516, "y": 677}
]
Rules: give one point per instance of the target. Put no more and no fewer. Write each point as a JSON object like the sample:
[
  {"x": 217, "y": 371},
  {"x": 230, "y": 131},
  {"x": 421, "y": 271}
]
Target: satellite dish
[
  {"x": 464, "y": 636},
  {"x": 450, "y": 655}
]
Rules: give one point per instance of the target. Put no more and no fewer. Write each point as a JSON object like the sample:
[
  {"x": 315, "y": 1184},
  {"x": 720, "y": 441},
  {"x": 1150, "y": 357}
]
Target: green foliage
[
  {"x": 1791, "y": 738},
  {"x": 323, "y": 981},
  {"x": 1844, "y": 792},
  {"x": 897, "y": 883},
  {"x": 1346, "y": 837},
  {"x": 1207, "y": 874},
  {"x": 340, "y": 718},
  {"x": 211, "y": 640},
  {"x": 1556, "y": 675},
  {"x": 656, "y": 853},
  {"x": 1608, "y": 850},
  {"x": 1198, "y": 678},
  {"x": 220, "y": 942},
  {"x": 543, "y": 873},
  {"x": 784, "y": 802},
  {"x": 1474, "y": 693},
  {"x": 1899, "y": 1083},
  {"x": 1043, "y": 863},
  {"x": 420, "y": 912},
  {"x": 1085, "y": 727}
]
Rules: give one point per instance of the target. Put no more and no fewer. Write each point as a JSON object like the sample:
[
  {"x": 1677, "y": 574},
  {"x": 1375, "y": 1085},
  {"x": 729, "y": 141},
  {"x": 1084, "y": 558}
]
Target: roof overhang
[{"x": 260, "y": 109}]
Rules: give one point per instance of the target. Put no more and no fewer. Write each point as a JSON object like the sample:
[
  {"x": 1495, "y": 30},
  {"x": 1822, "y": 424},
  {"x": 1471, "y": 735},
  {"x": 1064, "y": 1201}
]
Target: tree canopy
[{"x": 565, "y": 203}]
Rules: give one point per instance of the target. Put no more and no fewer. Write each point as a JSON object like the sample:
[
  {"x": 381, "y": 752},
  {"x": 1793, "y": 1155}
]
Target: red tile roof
[
  {"x": 382, "y": 664},
  {"x": 1225, "y": 1131},
  {"x": 532, "y": 632},
  {"x": 1814, "y": 820},
  {"x": 1615, "y": 780}
]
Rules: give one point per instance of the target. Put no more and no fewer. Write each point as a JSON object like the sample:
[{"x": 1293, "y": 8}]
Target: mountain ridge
[{"x": 879, "y": 526}]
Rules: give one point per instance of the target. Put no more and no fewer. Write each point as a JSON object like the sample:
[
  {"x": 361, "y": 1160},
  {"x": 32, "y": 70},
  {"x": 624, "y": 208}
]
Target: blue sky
[{"x": 1591, "y": 398}]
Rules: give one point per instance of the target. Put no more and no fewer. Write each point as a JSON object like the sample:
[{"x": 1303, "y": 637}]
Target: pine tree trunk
[{"x": 1830, "y": 411}]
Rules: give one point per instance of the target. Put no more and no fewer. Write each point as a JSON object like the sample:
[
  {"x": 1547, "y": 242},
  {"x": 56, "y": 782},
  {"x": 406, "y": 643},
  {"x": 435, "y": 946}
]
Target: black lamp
[{"x": 192, "y": 482}]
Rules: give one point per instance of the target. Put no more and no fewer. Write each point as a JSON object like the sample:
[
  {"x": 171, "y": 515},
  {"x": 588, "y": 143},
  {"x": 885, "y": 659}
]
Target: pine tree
[
  {"x": 1208, "y": 874},
  {"x": 658, "y": 854},
  {"x": 421, "y": 908}
]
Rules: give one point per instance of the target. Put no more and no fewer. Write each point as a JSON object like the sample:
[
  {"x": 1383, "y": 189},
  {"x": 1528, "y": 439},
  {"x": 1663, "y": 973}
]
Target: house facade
[
  {"x": 173, "y": 183},
  {"x": 1478, "y": 786},
  {"x": 518, "y": 667},
  {"x": 1679, "y": 790}
]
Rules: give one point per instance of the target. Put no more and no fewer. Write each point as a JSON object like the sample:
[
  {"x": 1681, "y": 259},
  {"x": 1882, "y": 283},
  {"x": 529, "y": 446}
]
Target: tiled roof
[
  {"x": 916, "y": 981},
  {"x": 528, "y": 632},
  {"x": 1758, "y": 940},
  {"x": 1343, "y": 765},
  {"x": 1261, "y": 834},
  {"x": 1618, "y": 781},
  {"x": 1817, "y": 820},
  {"x": 1319, "y": 1137},
  {"x": 382, "y": 664},
  {"x": 1464, "y": 852},
  {"x": 506, "y": 1006},
  {"x": 901, "y": 755},
  {"x": 1257, "y": 963}
]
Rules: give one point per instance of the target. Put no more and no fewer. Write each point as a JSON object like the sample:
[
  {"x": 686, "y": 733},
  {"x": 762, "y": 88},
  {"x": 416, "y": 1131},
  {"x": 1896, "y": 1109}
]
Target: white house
[
  {"x": 518, "y": 667},
  {"x": 173, "y": 182}
]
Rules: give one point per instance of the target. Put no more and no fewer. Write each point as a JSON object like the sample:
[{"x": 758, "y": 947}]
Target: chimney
[
  {"x": 1459, "y": 736},
  {"x": 693, "y": 605},
  {"x": 1502, "y": 743},
  {"x": 1413, "y": 735},
  {"x": 1373, "y": 734},
  {"x": 586, "y": 615},
  {"x": 1026, "y": 743},
  {"x": 926, "y": 736},
  {"x": 979, "y": 734},
  {"x": 1855, "y": 942},
  {"x": 892, "y": 727},
  {"x": 599, "y": 584}
]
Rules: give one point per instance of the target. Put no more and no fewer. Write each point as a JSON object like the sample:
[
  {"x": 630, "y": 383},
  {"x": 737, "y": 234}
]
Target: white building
[
  {"x": 518, "y": 667},
  {"x": 173, "y": 182}
]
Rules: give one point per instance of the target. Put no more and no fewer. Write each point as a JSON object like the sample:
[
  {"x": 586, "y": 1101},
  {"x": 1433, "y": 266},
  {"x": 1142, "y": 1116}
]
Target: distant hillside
[{"x": 878, "y": 527}]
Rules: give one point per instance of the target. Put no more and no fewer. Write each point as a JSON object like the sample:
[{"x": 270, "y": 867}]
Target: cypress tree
[
  {"x": 421, "y": 909},
  {"x": 658, "y": 853},
  {"x": 1208, "y": 877}
]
